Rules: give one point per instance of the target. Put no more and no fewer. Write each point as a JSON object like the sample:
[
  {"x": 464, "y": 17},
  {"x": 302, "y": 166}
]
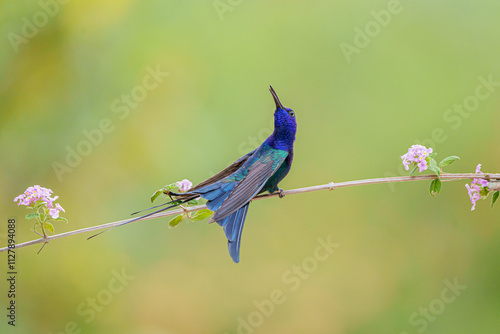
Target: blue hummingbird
[{"x": 229, "y": 192}]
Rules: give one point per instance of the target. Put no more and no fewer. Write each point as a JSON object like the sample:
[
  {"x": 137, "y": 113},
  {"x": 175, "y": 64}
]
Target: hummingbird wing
[{"x": 251, "y": 180}]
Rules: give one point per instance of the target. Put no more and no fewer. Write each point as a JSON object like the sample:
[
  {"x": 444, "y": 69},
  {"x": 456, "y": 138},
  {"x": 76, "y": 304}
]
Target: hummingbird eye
[{"x": 291, "y": 113}]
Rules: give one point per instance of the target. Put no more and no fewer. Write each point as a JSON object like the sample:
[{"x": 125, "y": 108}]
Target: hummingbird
[{"x": 229, "y": 192}]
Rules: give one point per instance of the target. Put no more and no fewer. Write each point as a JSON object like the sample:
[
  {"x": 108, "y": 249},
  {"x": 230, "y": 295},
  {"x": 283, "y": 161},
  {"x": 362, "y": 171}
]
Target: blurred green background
[{"x": 356, "y": 116}]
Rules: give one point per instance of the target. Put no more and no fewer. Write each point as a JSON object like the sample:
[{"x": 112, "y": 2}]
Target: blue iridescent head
[{"x": 285, "y": 125}]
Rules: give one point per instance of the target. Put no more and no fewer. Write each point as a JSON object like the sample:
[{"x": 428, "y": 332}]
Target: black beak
[{"x": 276, "y": 99}]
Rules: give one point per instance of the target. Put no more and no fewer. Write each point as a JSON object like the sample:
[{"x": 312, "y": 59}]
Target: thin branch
[{"x": 328, "y": 186}]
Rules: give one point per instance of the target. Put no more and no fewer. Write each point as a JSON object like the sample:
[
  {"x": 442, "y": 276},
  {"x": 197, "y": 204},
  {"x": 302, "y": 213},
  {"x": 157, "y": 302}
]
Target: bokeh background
[{"x": 398, "y": 246}]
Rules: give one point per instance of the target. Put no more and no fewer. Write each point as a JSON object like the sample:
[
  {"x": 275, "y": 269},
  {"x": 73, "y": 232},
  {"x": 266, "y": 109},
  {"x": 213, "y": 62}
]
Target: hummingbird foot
[{"x": 280, "y": 193}]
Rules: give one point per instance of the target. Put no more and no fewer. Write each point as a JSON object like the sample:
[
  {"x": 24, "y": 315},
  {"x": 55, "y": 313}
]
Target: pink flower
[
  {"x": 184, "y": 185},
  {"x": 37, "y": 193},
  {"x": 33, "y": 194},
  {"x": 54, "y": 212},
  {"x": 474, "y": 195},
  {"x": 422, "y": 166},
  {"x": 50, "y": 201},
  {"x": 417, "y": 155},
  {"x": 20, "y": 198},
  {"x": 478, "y": 169},
  {"x": 481, "y": 182},
  {"x": 475, "y": 188}
]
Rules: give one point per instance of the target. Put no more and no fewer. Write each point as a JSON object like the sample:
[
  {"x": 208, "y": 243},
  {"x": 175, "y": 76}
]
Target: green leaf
[
  {"x": 432, "y": 155},
  {"x": 435, "y": 187},
  {"x": 193, "y": 202},
  {"x": 39, "y": 202},
  {"x": 448, "y": 161},
  {"x": 202, "y": 214},
  {"x": 484, "y": 192},
  {"x": 49, "y": 227},
  {"x": 156, "y": 194},
  {"x": 61, "y": 219},
  {"x": 176, "y": 220},
  {"x": 434, "y": 167},
  {"x": 39, "y": 205},
  {"x": 414, "y": 169},
  {"x": 438, "y": 186},
  {"x": 168, "y": 187},
  {"x": 495, "y": 197},
  {"x": 32, "y": 216},
  {"x": 431, "y": 187},
  {"x": 42, "y": 217}
]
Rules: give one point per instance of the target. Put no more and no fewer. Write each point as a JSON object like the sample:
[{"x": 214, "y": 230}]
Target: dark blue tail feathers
[
  {"x": 215, "y": 194},
  {"x": 233, "y": 226}
]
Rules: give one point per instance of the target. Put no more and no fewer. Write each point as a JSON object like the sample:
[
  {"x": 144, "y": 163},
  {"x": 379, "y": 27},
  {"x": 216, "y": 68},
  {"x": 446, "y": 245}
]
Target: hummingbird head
[{"x": 285, "y": 125}]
